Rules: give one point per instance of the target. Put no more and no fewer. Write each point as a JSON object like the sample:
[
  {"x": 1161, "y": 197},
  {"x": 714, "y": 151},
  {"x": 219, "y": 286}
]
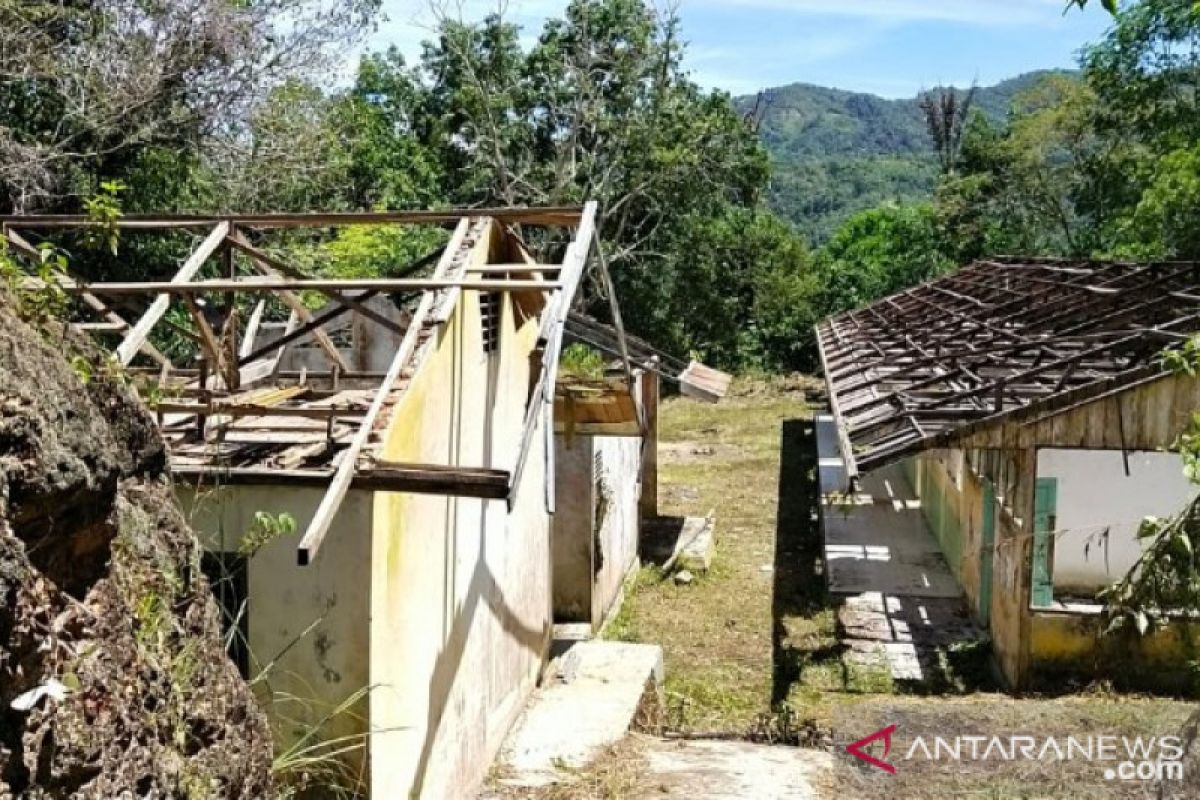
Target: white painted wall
[
  {"x": 308, "y": 626},
  {"x": 1095, "y": 494},
  {"x": 620, "y": 460},
  {"x": 587, "y": 581}
]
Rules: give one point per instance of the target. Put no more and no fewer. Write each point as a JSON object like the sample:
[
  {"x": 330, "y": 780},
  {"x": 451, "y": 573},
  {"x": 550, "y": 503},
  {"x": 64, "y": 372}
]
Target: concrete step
[{"x": 591, "y": 697}]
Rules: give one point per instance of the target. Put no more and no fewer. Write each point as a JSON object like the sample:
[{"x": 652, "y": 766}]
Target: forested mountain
[{"x": 836, "y": 152}]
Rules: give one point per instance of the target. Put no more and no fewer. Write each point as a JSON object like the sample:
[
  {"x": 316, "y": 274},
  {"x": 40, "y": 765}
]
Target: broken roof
[
  {"x": 239, "y": 417},
  {"x": 913, "y": 371}
]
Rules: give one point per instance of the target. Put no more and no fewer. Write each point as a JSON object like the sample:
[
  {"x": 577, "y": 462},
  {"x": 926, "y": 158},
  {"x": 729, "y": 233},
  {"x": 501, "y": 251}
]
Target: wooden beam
[
  {"x": 310, "y": 543},
  {"x": 550, "y": 335},
  {"x": 549, "y": 217},
  {"x": 226, "y": 367},
  {"x": 432, "y": 479},
  {"x": 141, "y": 330},
  {"x": 269, "y": 265},
  {"x": 165, "y": 289}
]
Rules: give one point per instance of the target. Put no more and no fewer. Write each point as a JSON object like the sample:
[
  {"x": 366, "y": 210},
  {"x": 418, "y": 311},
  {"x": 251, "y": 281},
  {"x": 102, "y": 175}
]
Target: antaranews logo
[
  {"x": 885, "y": 735},
  {"x": 1123, "y": 758}
]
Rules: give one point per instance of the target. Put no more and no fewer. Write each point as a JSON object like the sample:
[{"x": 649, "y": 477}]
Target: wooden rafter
[
  {"x": 910, "y": 371},
  {"x": 137, "y": 335},
  {"x": 310, "y": 543}
]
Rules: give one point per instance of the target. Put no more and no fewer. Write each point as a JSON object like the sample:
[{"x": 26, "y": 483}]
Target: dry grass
[
  {"x": 717, "y": 632},
  {"x": 619, "y": 773}
]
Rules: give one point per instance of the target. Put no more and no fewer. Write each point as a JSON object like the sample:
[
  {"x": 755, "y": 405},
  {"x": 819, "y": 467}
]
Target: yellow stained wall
[
  {"x": 1071, "y": 643},
  {"x": 460, "y": 587}
]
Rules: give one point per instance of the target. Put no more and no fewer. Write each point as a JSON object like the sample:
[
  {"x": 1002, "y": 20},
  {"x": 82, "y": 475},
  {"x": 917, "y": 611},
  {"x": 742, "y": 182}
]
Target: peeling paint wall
[
  {"x": 307, "y": 626},
  {"x": 617, "y": 538},
  {"x": 953, "y": 507},
  {"x": 460, "y": 587},
  {"x": 574, "y": 524},
  {"x": 951, "y": 497}
]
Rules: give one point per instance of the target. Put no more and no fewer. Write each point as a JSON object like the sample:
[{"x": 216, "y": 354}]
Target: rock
[
  {"x": 113, "y": 676},
  {"x": 684, "y": 577}
]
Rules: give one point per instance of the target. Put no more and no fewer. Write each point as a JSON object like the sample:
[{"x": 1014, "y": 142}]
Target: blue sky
[{"x": 889, "y": 47}]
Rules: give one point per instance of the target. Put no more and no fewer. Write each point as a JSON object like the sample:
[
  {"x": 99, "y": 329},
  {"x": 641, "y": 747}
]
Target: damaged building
[
  {"x": 399, "y": 493},
  {"x": 1021, "y": 411}
]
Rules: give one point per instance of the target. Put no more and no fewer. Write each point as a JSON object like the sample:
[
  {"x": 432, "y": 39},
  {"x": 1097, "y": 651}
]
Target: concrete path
[
  {"x": 900, "y": 602},
  {"x": 733, "y": 770}
]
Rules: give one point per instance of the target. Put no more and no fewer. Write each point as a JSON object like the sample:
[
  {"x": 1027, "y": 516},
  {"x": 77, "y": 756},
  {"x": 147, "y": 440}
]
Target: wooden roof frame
[
  {"x": 998, "y": 338},
  {"x": 225, "y": 234}
]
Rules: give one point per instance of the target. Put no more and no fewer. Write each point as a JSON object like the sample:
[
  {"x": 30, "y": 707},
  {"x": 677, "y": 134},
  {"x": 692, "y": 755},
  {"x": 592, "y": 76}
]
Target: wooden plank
[
  {"x": 599, "y": 428},
  {"x": 165, "y": 289},
  {"x": 384, "y": 477},
  {"x": 141, "y": 330},
  {"x": 552, "y": 216},
  {"x": 310, "y": 543},
  {"x": 260, "y": 410}
]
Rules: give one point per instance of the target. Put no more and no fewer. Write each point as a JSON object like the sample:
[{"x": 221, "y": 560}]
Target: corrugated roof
[{"x": 909, "y": 371}]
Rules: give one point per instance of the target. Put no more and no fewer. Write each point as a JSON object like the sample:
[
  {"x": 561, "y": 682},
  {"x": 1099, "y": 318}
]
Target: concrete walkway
[
  {"x": 734, "y": 770},
  {"x": 900, "y": 602}
]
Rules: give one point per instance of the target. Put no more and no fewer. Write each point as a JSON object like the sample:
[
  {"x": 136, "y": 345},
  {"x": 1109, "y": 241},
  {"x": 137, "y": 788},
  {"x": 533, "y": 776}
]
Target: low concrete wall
[{"x": 1070, "y": 643}]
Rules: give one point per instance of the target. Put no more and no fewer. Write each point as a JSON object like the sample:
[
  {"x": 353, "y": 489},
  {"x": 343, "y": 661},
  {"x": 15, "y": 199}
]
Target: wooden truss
[
  {"x": 917, "y": 369},
  {"x": 225, "y": 425}
]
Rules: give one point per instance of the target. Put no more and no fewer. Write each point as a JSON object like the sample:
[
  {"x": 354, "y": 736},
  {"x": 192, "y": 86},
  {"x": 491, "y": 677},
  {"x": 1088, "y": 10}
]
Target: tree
[
  {"x": 946, "y": 112},
  {"x": 879, "y": 252},
  {"x": 88, "y": 87}
]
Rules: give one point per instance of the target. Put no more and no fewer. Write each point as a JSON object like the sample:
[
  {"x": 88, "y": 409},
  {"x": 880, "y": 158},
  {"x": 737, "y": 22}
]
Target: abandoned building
[
  {"x": 377, "y": 480},
  {"x": 1011, "y": 421}
]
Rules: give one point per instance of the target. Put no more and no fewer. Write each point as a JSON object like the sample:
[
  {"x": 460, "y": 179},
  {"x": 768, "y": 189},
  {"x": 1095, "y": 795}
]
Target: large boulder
[{"x": 113, "y": 676}]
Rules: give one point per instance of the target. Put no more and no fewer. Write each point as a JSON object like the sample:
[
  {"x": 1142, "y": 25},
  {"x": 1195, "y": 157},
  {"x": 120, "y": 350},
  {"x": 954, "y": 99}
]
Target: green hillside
[{"x": 837, "y": 152}]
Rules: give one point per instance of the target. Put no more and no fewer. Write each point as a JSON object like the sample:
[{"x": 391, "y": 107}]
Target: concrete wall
[
  {"x": 951, "y": 497},
  {"x": 460, "y": 600},
  {"x": 1095, "y": 495},
  {"x": 952, "y": 502},
  {"x": 307, "y": 626},
  {"x": 371, "y": 346},
  {"x": 595, "y": 475},
  {"x": 1070, "y": 644},
  {"x": 574, "y": 527}
]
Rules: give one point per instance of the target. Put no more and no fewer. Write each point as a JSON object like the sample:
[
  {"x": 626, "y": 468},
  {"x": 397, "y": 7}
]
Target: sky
[{"x": 893, "y": 48}]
